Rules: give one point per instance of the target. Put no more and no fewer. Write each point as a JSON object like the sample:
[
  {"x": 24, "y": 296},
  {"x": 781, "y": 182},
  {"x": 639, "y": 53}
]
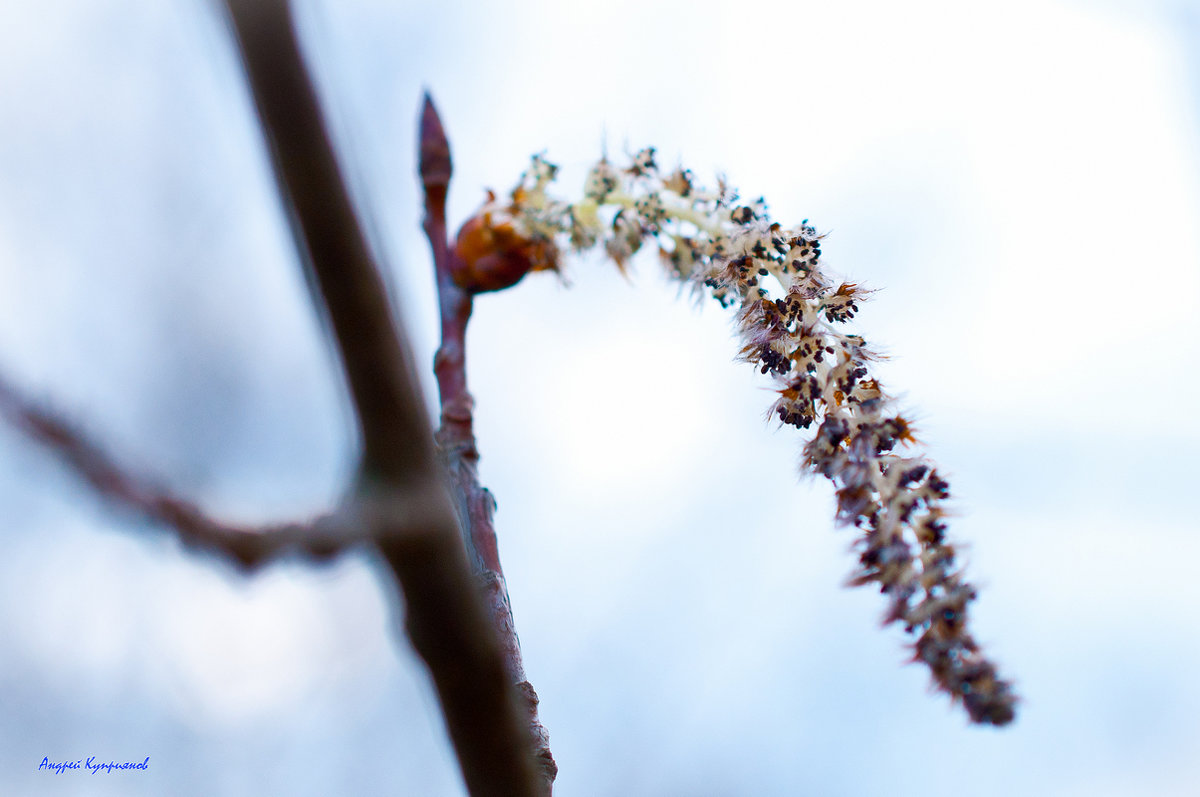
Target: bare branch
[
  {"x": 358, "y": 520},
  {"x": 456, "y": 437},
  {"x": 446, "y": 620},
  {"x": 247, "y": 548}
]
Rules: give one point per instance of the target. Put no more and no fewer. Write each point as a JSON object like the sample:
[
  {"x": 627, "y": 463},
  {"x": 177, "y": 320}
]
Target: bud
[{"x": 494, "y": 254}]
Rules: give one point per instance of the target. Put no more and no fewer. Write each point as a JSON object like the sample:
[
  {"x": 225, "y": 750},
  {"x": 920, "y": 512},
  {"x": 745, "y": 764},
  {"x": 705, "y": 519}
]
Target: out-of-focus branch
[
  {"x": 445, "y": 618},
  {"x": 247, "y": 548},
  {"x": 396, "y": 443},
  {"x": 456, "y": 437}
]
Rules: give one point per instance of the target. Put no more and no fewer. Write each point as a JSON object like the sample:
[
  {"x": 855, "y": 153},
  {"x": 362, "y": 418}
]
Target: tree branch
[
  {"x": 446, "y": 621},
  {"x": 245, "y": 547},
  {"x": 456, "y": 437},
  {"x": 356, "y": 521}
]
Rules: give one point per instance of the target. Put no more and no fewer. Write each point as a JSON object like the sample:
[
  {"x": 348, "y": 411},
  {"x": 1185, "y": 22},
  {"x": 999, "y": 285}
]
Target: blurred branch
[
  {"x": 446, "y": 621},
  {"x": 456, "y": 437},
  {"x": 247, "y": 548}
]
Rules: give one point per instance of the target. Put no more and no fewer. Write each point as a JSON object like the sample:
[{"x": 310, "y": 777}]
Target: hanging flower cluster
[{"x": 788, "y": 316}]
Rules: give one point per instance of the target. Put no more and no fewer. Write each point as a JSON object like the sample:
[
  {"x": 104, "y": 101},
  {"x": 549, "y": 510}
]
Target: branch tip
[{"x": 435, "y": 163}]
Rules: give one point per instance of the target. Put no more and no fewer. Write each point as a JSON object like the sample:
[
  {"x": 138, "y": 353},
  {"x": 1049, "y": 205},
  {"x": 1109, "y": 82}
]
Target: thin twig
[
  {"x": 456, "y": 437},
  {"x": 249, "y": 548}
]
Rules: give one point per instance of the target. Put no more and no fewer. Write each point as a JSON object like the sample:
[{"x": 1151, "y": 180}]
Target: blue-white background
[{"x": 1021, "y": 180}]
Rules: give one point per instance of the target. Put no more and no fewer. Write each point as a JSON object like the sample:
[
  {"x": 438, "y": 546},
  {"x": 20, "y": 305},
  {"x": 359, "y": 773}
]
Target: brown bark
[
  {"x": 447, "y": 622},
  {"x": 456, "y": 436}
]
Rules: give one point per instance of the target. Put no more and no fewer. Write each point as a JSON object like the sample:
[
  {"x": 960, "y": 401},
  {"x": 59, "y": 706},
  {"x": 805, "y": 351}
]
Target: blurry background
[{"x": 1021, "y": 180}]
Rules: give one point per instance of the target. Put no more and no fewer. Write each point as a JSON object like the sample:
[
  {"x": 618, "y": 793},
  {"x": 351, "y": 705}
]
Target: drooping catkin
[{"x": 789, "y": 316}]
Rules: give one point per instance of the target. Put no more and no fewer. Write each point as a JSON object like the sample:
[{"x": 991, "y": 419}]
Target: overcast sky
[{"x": 1020, "y": 180}]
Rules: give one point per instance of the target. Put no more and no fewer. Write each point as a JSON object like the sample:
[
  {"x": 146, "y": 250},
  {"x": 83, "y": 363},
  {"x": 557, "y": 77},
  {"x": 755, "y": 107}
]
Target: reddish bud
[{"x": 494, "y": 255}]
